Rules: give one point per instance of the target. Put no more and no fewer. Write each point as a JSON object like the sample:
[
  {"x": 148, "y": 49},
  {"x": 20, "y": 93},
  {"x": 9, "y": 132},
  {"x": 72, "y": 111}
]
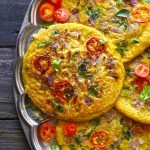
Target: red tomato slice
[
  {"x": 57, "y": 3},
  {"x": 100, "y": 139},
  {"x": 47, "y": 132},
  {"x": 140, "y": 82},
  {"x": 42, "y": 63},
  {"x": 70, "y": 129},
  {"x": 94, "y": 47},
  {"x": 46, "y": 12},
  {"x": 141, "y": 14},
  {"x": 138, "y": 130},
  {"x": 142, "y": 70},
  {"x": 61, "y": 15},
  {"x": 63, "y": 91}
]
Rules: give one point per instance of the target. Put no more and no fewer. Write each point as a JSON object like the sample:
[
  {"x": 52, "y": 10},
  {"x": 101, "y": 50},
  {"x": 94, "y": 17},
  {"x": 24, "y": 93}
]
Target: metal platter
[{"x": 29, "y": 119}]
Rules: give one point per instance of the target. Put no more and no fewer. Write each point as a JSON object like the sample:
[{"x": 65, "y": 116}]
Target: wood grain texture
[
  {"x": 12, "y": 136},
  {"x": 12, "y": 14}
]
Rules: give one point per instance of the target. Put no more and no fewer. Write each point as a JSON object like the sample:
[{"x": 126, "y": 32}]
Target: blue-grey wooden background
[{"x": 11, "y": 16}]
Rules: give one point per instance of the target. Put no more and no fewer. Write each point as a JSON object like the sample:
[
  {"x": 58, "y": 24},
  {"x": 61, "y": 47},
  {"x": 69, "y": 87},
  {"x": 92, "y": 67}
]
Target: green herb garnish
[
  {"x": 147, "y": 1},
  {"x": 56, "y": 147},
  {"x": 59, "y": 107},
  {"x": 126, "y": 133},
  {"x": 121, "y": 46},
  {"x": 43, "y": 43},
  {"x": 93, "y": 90},
  {"x": 135, "y": 40},
  {"x": 78, "y": 140},
  {"x": 82, "y": 70},
  {"x": 89, "y": 131},
  {"x": 93, "y": 13},
  {"x": 118, "y": 2},
  {"x": 123, "y": 13},
  {"x": 56, "y": 64},
  {"x": 30, "y": 106},
  {"x": 121, "y": 22},
  {"x": 55, "y": 33},
  {"x": 145, "y": 94}
]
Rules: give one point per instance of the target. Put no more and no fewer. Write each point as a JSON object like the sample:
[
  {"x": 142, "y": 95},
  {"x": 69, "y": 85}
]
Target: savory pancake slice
[
  {"x": 72, "y": 72},
  {"x": 134, "y": 100},
  {"x": 125, "y": 22},
  {"x": 112, "y": 131}
]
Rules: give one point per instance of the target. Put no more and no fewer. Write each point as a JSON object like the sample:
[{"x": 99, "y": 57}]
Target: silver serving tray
[{"x": 28, "y": 121}]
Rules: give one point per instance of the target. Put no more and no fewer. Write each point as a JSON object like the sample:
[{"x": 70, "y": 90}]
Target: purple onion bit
[
  {"x": 51, "y": 78},
  {"x": 88, "y": 101},
  {"x": 133, "y": 2}
]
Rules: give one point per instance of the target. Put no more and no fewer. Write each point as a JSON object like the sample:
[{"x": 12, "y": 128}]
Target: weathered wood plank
[
  {"x": 7, "y": 106},
  {"x": 12, "y": 136},
  {"x": 7, "y": 56},
  {"x": 12, "y": 14}
]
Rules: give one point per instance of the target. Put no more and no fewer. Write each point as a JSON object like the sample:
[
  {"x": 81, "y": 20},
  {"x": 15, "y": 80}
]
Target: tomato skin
[
  {"x": 142, "y": 70},
  {"x": 70, "y": 129},
  {"x": 100, "y": 139},
  {"x": 140, "y": 82},
  {"x": 39, "y": 67},
  {"x": 138, "y": 130},
  {"x": 94, "y": 48},
  {"x": 46, "y": 12},
  {"x": 61, "y": 15},
  {"x": 138, "y": 15},
  {"x": 61, "y": 91},
  {"x": 57, "y": 3},
  {"x": 47, "y": 131}
]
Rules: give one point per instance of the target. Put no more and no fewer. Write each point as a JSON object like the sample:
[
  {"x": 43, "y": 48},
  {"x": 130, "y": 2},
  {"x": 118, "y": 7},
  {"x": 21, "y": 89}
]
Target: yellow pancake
[
  {"x": 118, "y": 132},
  {"x": 135, "y": 95},
  {"x": 116, "y": 20},
  {"x": 67, "y": 80}
]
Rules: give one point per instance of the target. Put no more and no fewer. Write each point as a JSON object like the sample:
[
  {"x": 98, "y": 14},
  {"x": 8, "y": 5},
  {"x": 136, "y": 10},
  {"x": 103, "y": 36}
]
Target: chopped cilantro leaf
[
  {"x": 93, "y": 13},
  {"x": 123, "y": 13},
  {"x": 121, "y": 46},
  {"x": 145, "y": 94},
  {"x": 82, "y": 70},
  {"x": 148, "y": 52},
  {"x": 55, "y": 33},
  {"x": 118, "y": 2},
  {"x": 93, "y": 90},
  {"x": 126, "y": 133},
  {"x": 56, "y": 64},
  {"x": 58, "y": 107},
  {"x": 121, "y": 22},
  {"x": 43, "y": 43},
  {"x": 135, "y": 40},
  {"x": 78, "y": 140}
]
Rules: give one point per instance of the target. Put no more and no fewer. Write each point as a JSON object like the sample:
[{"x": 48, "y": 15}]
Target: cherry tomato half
[
  {"x": 46, "y": 12},
  {"x": 141, "y": 14},
  {"x": 63, "y": 91},
  {"x": 100, "y": 139},
  {"x": 57, "y": 3},
  {"x": 47, "y": 132},
  {"x": 69, "y": 129},
  {"x": 142, "y": 70},
  {"x": 42, "y": 63},
  {"x": 138, "y": 130},
  {"x": 94, "y": 47},
  {"x": 61, "y": 15},
  {"x": 140, "y": 82}
]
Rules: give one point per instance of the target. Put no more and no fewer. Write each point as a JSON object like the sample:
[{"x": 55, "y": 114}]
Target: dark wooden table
[{"x": 11, "y": 16}]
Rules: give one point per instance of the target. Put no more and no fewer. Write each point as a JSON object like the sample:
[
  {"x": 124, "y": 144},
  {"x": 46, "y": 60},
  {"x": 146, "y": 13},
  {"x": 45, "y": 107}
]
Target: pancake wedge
[
  {"x": 125, "y": 22},
  {"x": 134, "y": 100},
  {"x": 112, "y": 131},
  {"x": 72, "y": 72}
]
